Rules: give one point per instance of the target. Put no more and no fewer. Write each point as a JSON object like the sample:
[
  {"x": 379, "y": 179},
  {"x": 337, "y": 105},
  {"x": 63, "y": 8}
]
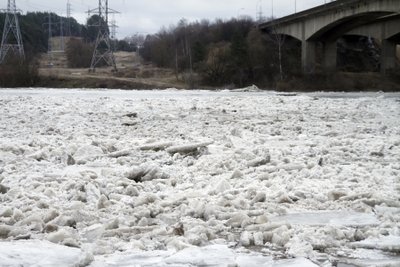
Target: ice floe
[{"x": 189, "y": 178}]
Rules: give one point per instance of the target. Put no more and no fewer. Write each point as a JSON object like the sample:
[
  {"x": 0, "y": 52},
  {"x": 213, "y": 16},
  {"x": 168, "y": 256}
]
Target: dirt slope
[{"x": 132, "y": 74}]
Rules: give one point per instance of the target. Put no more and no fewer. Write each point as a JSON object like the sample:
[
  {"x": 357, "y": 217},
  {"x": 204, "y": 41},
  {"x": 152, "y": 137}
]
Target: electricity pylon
[
  {"x": 49, "y": 24},
  {"x": 103, "y": 51},
  {"x": 113, "y": 35},
  {"x": 68, "y": 18},
  {"x": 114, "y": 27},
  {"x": 62, "y": 45},
  {"x": 259, "y": 13},
  {"x": 12, "y": 39}
]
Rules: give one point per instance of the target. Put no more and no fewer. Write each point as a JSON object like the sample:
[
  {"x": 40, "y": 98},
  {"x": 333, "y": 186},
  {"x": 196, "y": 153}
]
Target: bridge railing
[{"x": 327, "y": 7}]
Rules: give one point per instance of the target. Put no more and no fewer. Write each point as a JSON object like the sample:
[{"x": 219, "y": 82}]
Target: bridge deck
[{"x": 325, "y": 8}]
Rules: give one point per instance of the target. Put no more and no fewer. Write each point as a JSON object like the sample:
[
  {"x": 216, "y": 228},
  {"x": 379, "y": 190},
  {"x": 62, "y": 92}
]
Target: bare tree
[
  {"x": 279, "y": 40},
  {"x": 136, "y": 40}
]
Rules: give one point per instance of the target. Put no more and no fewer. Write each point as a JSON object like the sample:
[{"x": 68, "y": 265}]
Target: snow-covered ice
[
  {"x": 41, "y": 253},
  {"x": 198, "y": 178}
]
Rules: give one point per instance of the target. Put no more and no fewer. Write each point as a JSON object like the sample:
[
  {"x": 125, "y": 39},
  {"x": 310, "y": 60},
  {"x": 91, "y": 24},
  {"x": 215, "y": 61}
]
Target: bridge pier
[
  {"x": 330, "y": 56},
  {"x": 308, "y": 56},
  {"x": 388, "y": 56}
]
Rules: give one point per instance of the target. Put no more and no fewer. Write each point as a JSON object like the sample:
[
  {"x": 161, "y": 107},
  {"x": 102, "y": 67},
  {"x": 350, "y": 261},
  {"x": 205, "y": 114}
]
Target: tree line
[
  {"x": 35, "y": 32},
  {"x": 231, "y": 53},
  {"x": 222, "y": 53},
  {"x": 219, "y": 53}
]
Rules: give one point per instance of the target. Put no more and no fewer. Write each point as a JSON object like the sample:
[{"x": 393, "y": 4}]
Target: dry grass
[{"x": 132, "y": 74}]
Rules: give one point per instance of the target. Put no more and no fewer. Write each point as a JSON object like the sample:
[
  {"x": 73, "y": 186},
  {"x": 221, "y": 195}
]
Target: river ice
[{"x": 197, "y": 178}]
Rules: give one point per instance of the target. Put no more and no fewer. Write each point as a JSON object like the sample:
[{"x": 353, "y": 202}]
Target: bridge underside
[
  {"x": 323, "y": 26},
  {"x": 385, "y": 31}
]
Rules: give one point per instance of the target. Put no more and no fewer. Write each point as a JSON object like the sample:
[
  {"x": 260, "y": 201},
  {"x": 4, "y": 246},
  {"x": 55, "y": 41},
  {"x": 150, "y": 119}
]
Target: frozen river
[{"x": 199, "y": 178}]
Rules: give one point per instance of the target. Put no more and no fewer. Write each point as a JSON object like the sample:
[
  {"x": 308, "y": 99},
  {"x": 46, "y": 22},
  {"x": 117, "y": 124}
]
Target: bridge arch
[{"x": 336, "y": 29}]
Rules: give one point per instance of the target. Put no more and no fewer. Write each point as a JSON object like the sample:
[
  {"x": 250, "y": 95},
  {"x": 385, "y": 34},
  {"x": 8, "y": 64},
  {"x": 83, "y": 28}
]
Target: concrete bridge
[{"x": 379, "y": 19}]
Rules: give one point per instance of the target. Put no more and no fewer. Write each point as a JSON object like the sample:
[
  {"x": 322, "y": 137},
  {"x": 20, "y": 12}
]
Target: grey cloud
[{"x": 148, "y": 16}]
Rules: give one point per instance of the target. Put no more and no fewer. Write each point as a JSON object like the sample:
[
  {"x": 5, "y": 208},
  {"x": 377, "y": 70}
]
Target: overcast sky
[{"x": 148, "y": 16}]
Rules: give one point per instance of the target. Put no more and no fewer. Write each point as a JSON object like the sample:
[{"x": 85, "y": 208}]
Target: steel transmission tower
[
  {"x": 62, "y": 34},
  {"x": 113, "y": 36},
  {"x": 259, "y": 12},
  {"x": 49, "y": 44},
  {"x": 103, "y": 51},
  {"x": 114, "y": 27},
  {"x": 12, "y": 39},
  {"x": 68, "y": 18}
]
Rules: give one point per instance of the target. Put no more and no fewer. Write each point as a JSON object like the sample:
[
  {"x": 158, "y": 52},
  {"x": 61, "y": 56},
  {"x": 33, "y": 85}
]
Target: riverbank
[
  {"x": 348, "y": 82},
  {"x": 133, "y": 74}
]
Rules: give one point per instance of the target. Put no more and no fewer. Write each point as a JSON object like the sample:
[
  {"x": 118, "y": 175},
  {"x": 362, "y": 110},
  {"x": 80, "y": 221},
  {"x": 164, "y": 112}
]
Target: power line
[
  {"x": 40, "y": 7},
  {"x": 11, "y": 31}
]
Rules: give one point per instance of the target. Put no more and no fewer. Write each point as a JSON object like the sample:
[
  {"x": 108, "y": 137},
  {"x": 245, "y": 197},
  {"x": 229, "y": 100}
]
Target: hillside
[
  {"x": 132, "y": 74},
  {"x": 220, "y": 54}
]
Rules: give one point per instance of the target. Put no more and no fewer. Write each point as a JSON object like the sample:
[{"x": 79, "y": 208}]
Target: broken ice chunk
[
  {"x": 87, "y": 153},
  {"x": 146, "y": 173},
  {"x": 187, "y": 149}
]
